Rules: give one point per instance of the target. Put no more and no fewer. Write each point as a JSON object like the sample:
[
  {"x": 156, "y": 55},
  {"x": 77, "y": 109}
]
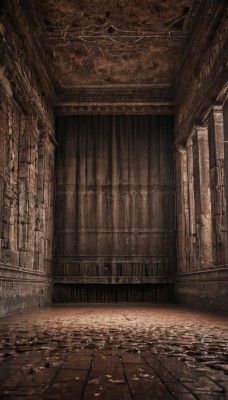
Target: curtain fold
[{"x": 115, "y": 196}]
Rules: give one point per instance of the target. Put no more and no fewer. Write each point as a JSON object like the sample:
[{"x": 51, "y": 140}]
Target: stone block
[
  {"x": 10, "y": 257},
  {"x": 22, "y": 236},
  {"x": 26, "y": 259},
  {"x": 17, "y": 295},
  {"x": 42, "y": 263},
  {"x": 37, "y": 241},
  {"x": 36, "y": 260},
  {"x": 5, "y": 243},
  {"x": 13, "y": 236},
  {"x": 5, "y": 230},
  {"x": 6, "y": 214}
]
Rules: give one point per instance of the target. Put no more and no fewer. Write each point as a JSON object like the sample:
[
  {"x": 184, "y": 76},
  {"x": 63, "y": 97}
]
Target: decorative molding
[
  {"x": 202, "y": 78},
  {"x": 117, "y": 100},
  {"x": 212, "y": 274},
  {"x": 114, "y": 108},
  {"x": 120, "y": 93},
  {"x": 24, "y": 274},
  {"x": 135, "y": 280}
]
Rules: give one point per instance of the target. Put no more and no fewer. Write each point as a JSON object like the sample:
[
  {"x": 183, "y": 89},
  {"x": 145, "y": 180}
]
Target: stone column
[
  {"x": 182, "y": 207},
  {"x": 216, "y": 149},
  {"x": 10, "y": 195},
  {"x": 225, "y": 116},
  {"x": 202, "y": 195},
  {"x": 44, "y": 204},
  {"x": 27, "y": 187},
  {"x": 40, "y": 214},
  {"x": 191, "y": 200},
  {"x": 3, "y": 136}
]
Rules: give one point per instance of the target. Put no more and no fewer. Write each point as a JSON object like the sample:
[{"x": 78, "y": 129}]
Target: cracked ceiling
[{"x": 103, "y": 43}]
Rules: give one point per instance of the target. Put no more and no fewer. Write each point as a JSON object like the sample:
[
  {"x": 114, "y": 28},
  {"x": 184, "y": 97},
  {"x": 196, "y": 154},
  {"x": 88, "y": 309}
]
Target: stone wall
[
  {"x": 135, "y": 252},
  {"x": 27, "y": 168},
  {"x": 201, "y": 171}
]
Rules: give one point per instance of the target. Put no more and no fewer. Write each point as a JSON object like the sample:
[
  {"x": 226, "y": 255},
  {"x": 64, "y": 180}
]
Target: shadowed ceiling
[{"x": 104, "y": 43}]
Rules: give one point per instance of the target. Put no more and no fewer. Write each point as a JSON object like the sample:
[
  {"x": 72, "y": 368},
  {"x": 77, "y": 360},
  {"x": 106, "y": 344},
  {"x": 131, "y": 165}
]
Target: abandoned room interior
[{"x": 113, "y": 199}]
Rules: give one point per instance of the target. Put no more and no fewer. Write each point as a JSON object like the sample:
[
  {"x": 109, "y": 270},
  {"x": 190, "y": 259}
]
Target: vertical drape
[
  {"x": 115, "y": 199},
  {"x": 115, "y": 191}
]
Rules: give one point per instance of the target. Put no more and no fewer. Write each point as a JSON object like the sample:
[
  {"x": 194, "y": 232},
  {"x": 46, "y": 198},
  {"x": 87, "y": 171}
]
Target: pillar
[
  {"x": 192, "y": 244},
  {"x": 225, "y": 116},
  {"x": 202, "y": 194},
  {"x": 216, "y": 149},
  {"x": 182, "y": 207}
]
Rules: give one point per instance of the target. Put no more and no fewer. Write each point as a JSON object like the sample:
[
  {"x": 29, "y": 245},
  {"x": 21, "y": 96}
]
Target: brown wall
[
  {"x": 26, "y": 208},
  {"x": 26, "y": 169},
  {"x": 115, "y": 200},
  {"x": 201, "y": 163}
]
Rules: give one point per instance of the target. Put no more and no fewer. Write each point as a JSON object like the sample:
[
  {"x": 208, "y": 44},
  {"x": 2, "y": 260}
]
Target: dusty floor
[{"x": 114, "y": 352}]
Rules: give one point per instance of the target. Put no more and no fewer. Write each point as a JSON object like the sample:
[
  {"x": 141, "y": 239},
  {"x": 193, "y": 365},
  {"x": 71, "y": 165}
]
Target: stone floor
[{"x": 114, "y": 352}]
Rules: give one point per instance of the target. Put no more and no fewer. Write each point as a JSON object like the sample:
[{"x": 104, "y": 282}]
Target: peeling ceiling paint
[{"x": 103, "y": 42}]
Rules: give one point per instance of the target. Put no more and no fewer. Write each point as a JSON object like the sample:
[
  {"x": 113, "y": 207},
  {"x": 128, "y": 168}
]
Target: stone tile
[
  {"x": 132, "y": 359},
  {"x": 106, "y": 370},
  {"x": 215, "y": 396},
  {"x": 64, "y": 390},
  {"x": 144, "y": 384},
  {"x": 121, "y": 352},
  {"x": 66, "y": 375},
  {"x": 22, "y": 397},
  {"x": 39, "y": 376},
  {"x": 203, "y": 384},
  {"x": 177, "y": 388},
  {"x": 6, "y": 372},
  {"x": 185, "y": 396},
  {"x": 159, "y": 369},
  {"x": 108, "y": 391},
  {"x": 178, "y": 369}
]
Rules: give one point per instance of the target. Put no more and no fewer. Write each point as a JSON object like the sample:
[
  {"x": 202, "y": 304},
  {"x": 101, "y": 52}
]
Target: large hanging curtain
[{"x": 115, "y": 200}]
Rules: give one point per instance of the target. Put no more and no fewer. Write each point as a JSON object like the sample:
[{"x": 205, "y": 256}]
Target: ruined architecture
[
  {"x": 113, "y": 199},
  {"x": 113, "y": 152}
]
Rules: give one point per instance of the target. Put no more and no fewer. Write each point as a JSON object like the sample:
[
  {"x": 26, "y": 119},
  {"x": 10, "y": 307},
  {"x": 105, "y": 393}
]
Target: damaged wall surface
[
  {"x": 26, "y": 173},
  {"x": 110, "y": 64},
  {"x": 201, "y": 164}
]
